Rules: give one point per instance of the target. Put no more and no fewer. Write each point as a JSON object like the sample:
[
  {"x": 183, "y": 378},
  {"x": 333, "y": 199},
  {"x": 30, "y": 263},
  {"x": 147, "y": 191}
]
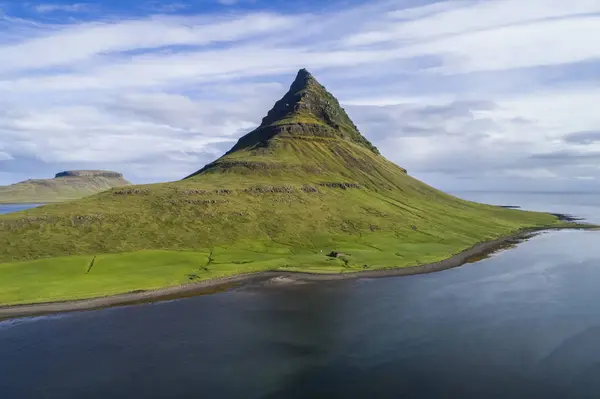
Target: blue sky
[{"x": 465, "y": 94}]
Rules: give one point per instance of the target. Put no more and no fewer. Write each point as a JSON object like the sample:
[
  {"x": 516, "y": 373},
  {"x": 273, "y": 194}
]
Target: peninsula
[{"x": 304, "y": 192}]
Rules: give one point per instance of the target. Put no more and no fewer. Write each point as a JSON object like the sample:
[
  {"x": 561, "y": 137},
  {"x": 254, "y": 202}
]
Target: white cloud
[
  {"x": 119, "y": 131},
  {"x": 451, "y": 18},
  {"x": 524, "y": 136},
  {"x": 135, "y": 131},
  {"x": 91, "y": 51},
  {"x": 517, "y": 46},
  {"x": 83, "y": 42}
]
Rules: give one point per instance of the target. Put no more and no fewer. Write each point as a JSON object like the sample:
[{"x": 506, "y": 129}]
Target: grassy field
[
  {"x": 284, "y": 197},
  {"x": 166, "y": 236}
]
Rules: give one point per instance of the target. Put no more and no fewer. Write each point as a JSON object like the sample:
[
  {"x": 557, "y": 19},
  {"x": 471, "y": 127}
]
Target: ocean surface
[
  {"x": 10, "y": 208},
  {"x": 524, "y": 323}
]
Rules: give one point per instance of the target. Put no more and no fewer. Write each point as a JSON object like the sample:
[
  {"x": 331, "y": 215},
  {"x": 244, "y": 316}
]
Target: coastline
[{"x": 471, "y": 254}]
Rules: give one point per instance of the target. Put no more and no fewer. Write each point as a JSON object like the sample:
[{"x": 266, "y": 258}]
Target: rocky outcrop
[
  {"x": 131, "y": 191},
  {"x": 308, "y": 188},
  {"x": 343, "y": 186},
  {"x": 254, "y": 190},
  {"x": 197, "y": 201},
  {"x": 269, "y": 189},
  {"x": 255, "y": 167}
]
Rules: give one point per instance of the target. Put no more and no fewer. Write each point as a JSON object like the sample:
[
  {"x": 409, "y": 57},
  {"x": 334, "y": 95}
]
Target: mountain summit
[
  {"x": 307, "y": 109},
  {"x": 306, "y": 113}
]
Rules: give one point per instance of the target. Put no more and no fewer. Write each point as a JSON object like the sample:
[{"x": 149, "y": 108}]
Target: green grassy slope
[
  {"x": 285, "y": 196},
  {"x": 59, "y": 189}
]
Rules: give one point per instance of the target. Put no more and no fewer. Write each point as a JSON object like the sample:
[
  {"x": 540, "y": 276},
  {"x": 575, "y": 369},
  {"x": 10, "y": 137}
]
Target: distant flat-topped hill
[{"x": 68, "y": 185}]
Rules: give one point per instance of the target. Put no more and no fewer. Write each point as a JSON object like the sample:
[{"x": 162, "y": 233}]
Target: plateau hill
[
  {"x": 304, "y": 185},
  {"x": 65, "y": 186}
]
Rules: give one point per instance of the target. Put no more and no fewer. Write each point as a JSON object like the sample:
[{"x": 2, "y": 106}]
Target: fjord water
[
  {"x": 523, "y": 323},
  {"x": 10, "y": 208}
]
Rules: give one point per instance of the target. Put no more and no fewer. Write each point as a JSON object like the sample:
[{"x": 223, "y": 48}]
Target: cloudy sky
[{"x": 473, "y": 94}]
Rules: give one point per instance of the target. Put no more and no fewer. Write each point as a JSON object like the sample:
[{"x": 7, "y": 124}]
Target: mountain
[
  {"x": 304, "y": 185},
  {"x": 308, "y": 112},
  {"x": 65, "y": 186}
]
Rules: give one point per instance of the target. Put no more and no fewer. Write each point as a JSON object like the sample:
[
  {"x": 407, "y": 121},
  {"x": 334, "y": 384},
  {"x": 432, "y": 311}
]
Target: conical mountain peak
[
  {"x": 306, "y": 130},
  {"x": 307, "y": 108}
]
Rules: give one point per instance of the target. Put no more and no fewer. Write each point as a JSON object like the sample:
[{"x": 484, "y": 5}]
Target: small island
[
  {"x": 305, "y": 193},
  {"x": 65, "y": 186}
]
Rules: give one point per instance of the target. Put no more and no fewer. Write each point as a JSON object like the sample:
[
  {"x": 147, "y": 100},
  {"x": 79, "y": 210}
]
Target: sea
[
  {"x": 523, "y": 323},
  {"x": 10, "y": 208}
]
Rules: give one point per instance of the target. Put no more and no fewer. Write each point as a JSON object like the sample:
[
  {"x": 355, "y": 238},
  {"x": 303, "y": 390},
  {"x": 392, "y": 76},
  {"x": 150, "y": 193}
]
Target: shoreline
[{"x": 472, "y": 254}]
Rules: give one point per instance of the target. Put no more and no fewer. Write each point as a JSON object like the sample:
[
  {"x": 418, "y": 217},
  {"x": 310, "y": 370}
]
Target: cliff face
[{"x": 65, "y": 186}]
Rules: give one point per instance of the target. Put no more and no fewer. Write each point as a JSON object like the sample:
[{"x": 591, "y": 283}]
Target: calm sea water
[
  {"x": 584, "y": 205},
  {"x": 524, "y": 323},
  {"x": 10, "y": 208}
]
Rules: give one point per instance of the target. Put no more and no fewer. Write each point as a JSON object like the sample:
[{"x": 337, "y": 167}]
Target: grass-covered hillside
[
  {"x": 65, "y": 186},
  {"x": 303, "y": 184}
]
